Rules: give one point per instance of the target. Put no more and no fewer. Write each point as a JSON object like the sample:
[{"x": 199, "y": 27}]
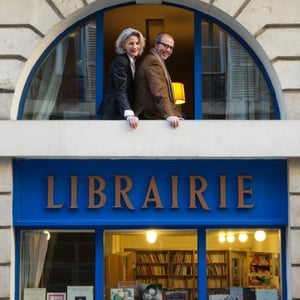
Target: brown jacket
[{"x": 153, "y": 99}]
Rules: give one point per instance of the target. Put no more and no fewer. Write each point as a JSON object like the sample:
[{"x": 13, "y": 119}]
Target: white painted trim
[{"x": 151, "y": 140}]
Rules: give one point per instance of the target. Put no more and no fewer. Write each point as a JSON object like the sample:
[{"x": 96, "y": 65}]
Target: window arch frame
[{"x": 198, "y": 17}]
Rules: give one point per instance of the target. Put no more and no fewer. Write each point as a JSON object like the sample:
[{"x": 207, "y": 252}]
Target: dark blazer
[
  {"x": 152, "y": 97},
  {"x": 118, "y": 90}
]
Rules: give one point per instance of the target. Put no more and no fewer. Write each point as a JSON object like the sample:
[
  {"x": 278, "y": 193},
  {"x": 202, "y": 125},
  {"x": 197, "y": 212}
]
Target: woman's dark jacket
[{"x": 118, "y": 90}]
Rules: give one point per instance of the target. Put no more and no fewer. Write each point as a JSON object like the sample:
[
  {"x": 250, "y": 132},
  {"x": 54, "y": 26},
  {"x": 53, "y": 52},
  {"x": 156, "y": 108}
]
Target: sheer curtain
[
  {"x": 34, "y": 246},
  {"x": 51, "y": 74}
]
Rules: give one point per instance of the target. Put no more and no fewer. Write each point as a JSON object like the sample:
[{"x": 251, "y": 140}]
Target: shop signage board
[{"x": 150, "y": 192}]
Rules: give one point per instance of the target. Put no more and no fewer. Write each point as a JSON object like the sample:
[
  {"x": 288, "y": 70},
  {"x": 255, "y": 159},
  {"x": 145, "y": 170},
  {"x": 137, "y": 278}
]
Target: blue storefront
[{"x": 94, "y": 197}]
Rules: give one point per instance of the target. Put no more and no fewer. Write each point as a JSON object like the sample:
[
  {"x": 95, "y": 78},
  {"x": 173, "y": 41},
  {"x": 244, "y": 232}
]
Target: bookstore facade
[
  {"x": 103, "y": 212},
  {"x": 186, "y": 228}
]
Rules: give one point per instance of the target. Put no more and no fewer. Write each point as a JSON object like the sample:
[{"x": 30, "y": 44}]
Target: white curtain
[
  {"x": 34, "y": 246},
  {"x": 52, "y": 72}
]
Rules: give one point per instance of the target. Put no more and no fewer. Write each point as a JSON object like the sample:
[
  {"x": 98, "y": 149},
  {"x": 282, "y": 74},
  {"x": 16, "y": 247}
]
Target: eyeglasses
[{"x": 167, "y": 46}]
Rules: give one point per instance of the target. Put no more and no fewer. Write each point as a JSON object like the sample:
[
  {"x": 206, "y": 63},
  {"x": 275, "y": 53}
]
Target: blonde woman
[{"x": 119, "y": 88}]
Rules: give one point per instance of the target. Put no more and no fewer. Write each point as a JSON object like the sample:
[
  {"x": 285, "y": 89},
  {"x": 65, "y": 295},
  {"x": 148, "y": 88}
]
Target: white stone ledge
[{"x": 152, "y": 139}]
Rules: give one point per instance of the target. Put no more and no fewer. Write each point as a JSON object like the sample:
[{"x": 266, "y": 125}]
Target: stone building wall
[{"x": 275, "y": 24}]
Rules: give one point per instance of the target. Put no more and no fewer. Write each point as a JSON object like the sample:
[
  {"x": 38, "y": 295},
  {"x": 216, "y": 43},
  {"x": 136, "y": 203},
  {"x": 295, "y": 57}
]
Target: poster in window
[
  {"x": 150, "y": 291},
  {"x": 122, "y": 294},
  {"x": 80, "y": 293}
]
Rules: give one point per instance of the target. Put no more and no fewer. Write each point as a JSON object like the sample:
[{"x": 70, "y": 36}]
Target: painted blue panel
[{"x": 268, "y": 185}]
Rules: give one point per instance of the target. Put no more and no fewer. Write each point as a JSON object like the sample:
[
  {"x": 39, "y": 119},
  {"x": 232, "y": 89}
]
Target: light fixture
[
  {"x": 243, "y": 237},
  {"x": 230, "y": 238},
  {"x": 48, "y": 234},
  {"x": 260, "y": 235},
  {"x": 179, "y": 94},
  {"x": 222, "y": 238},
  {"x": 151, "y": 236}
]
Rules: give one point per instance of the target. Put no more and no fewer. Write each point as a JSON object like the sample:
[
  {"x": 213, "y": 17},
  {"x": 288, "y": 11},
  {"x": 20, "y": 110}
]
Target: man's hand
[{"x": 174, "y": 121}]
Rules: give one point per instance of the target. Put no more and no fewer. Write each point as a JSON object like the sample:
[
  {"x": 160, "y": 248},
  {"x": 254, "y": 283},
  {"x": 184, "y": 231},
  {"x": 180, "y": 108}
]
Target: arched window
[{"x": 223, "y": 77}]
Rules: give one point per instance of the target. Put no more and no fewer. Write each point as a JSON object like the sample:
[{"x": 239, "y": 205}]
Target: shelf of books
[
  {"x": 175, "y": 270},
  {"x": 261, "y": 269},
  {"x": 217, "y": 270}
]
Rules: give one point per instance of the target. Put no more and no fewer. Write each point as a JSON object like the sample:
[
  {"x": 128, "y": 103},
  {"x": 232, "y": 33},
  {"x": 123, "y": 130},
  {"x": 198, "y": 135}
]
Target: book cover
[
  {"x": 34, "y": 294},
  {"x": 266, "y": 294},
  {"x": 80, "y": 293},
  {"x": 56, "y": 296},
  {"x": 236, "y": 293},
  {"x": 219, "y": 297},
  {"x": 176, "y": 295},
  {"x": 122, "y": 294},
  {"x": 150, "y": 291},
  {"x": 249, "y": 294}
]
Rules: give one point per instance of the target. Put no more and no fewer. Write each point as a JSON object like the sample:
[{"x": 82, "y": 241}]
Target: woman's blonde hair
[{"x": 123, "y": 37}]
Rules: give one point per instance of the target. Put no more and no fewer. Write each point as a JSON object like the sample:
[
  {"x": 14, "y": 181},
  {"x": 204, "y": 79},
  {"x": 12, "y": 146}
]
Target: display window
[
  {"x": 56, "y": 263},
  {"x": 156, "y": 264}
]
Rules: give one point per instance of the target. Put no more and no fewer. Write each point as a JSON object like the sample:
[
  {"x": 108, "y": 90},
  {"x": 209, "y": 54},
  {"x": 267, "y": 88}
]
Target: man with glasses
[{"x": 154, "y": 98}]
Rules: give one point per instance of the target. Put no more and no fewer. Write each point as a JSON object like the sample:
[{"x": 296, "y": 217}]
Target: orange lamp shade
[{"x": 179, "y": 94}]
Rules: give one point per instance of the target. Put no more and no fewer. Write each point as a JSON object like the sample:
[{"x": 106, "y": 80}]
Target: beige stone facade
[{"x": 27, "y": 27}]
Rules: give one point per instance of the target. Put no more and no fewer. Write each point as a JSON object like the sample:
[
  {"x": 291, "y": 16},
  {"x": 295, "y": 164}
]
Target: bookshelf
[
  {"x": 261, "y": 269},
  {"x": 173, "y": 269},
  {"x": 217, "y": 269},
  {"x": 118, "y": 267}
]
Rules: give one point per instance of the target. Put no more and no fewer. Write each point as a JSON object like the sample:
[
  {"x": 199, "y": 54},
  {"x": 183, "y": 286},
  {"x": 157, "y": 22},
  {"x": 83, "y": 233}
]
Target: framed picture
[{"x": 56, "y": 296}]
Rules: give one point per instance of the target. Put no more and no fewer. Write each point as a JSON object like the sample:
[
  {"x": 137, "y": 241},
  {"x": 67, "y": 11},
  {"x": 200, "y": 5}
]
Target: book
[
  {"x": 236, "y": 293},
  {"x": 122, "y": 294},
  {"x": 176, "y": 295},
  {"x": 34, "y": 293},
  {"x": 266, "y": 294},
  {"x": 149, "y": 291},
  {"x": 249, "y": 294},
  {"x": 56, "y": 296},
  {"x": 80, "y": 293},
  {"x": 219, "y": 297}
]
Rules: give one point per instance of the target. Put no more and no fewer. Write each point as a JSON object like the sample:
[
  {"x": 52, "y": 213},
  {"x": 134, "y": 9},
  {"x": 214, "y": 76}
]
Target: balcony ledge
[{"x": 151, "y": 140}]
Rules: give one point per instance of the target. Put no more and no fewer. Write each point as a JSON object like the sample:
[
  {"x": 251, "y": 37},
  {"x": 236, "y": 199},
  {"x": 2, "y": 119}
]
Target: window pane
[
  {"x": 54, "y": 260},
  {"x": 233, "y": 85},
  {"x": 241, "y": 262},
  {"x": 169, "y": 263},
  {"x": 64, "y": 85}
]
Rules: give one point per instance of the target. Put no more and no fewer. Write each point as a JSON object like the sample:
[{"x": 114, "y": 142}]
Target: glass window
[
  {"x": 244, "y": 262},
  {"x": 152, "y": 264},
  {"x": 233, "y": 85},
  {"x": 54, "y": 260},
  {"x": 64, "y": 86},
  {"x": 156, "y": 264}
]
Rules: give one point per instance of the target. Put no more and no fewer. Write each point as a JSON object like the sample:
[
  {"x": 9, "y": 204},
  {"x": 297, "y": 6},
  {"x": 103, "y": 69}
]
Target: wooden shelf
[{"x": 180, "y": 268}]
